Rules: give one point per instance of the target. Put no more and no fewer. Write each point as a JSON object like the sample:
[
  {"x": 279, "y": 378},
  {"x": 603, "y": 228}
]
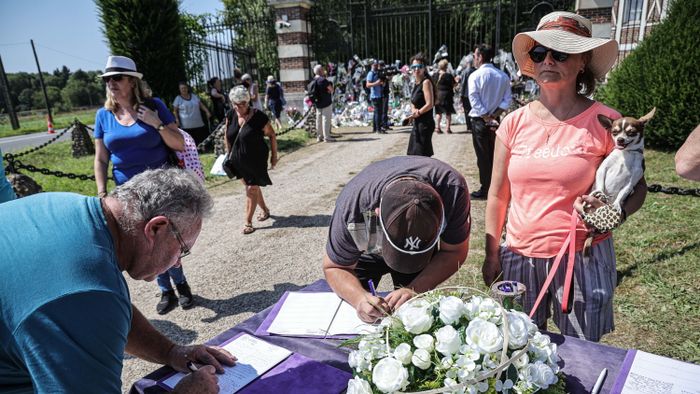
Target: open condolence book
[{"x": 307, "y": 314}]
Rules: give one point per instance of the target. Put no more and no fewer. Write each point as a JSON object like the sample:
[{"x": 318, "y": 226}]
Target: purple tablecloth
[{"x": 581, "y": 361}]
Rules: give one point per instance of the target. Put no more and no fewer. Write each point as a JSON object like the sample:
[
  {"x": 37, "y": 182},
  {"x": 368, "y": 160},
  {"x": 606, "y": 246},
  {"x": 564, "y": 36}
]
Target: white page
[
  {"x": 652, "y": 374},
  {"x": 346, "y": 321},
  {"x": 305, "y": 313},
  {"x": 255, "y": 357}
]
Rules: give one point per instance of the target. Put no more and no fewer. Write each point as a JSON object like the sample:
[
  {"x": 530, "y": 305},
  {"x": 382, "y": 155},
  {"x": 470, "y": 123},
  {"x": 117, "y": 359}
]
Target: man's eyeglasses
[
  {"x": 539, "y": 53},
  {"x": 184, "y": 249},
  {"x": 115, "y": 78},
  {"x": 417, "y": 66}
]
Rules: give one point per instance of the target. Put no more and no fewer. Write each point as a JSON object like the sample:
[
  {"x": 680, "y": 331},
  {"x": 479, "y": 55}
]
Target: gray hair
[
  {"x": 246, "y": 77},
  {"x": 171, "y": 192},
  {"x": 239, "y": 94},
  {"x": 318, "y": 69}
]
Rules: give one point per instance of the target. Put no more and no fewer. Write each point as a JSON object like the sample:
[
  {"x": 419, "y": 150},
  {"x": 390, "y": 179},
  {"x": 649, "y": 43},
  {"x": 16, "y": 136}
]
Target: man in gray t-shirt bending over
[{"x": 407, "y": 216}]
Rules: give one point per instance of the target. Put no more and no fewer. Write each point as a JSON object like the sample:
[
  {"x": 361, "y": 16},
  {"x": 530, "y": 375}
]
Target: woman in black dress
[
  {"x": 421, "y": 141},
  {"x": 246, "y": 129},
  {"x": 444, "y": 102}
]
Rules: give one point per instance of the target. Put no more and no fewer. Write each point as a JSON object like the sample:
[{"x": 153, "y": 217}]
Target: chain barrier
[
  {"x": 673, "y": 190},
  {"x": 45, "y": 144}
]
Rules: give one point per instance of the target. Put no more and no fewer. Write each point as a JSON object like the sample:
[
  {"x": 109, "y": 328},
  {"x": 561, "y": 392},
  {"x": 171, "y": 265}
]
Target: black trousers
[
  {"x": 484, "y": 140},
  {"x": 371, "y": 266},
  {"x": 467, "y": 106},
  {"x": 378, "y": 104},
  {"x": 385, "y": 111}
]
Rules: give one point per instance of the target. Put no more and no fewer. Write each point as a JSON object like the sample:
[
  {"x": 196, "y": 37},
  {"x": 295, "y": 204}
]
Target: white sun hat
[
  {"x": 121, "y": 65},
  {"x": 569, "y": 33}
]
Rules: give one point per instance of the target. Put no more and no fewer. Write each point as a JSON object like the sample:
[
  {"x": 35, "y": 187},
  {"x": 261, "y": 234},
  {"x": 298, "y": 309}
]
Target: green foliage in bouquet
[{"x": 453, "y": 341}]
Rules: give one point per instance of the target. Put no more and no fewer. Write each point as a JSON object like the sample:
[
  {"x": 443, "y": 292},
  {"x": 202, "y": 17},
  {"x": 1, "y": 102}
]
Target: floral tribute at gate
[{"x": 454, "y": 340}]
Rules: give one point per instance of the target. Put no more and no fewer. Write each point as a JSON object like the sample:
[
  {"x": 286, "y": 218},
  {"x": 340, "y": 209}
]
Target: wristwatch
[{"x": 161, "y": 127}]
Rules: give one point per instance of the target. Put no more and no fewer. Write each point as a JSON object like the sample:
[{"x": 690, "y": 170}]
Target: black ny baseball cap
[{"x": 412, "y": 217}]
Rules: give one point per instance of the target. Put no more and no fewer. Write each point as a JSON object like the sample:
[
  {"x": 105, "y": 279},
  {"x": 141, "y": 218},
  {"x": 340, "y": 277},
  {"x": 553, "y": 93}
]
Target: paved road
[{"x": 22, "y": 142}]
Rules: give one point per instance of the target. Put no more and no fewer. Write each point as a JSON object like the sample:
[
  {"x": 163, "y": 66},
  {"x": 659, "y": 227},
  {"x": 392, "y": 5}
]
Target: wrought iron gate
[{"x": 398, "y": 29}]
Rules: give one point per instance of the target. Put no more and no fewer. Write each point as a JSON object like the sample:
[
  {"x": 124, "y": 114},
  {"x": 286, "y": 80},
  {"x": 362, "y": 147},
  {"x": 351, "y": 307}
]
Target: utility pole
[
  {"x": 5, "y": 86},
  {"x": 41, "y": 81}
]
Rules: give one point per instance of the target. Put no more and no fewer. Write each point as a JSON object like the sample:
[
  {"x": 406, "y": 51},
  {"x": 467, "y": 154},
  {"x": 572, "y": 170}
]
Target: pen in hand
[
  {"x": 371, "y": 287},
  {"x": 191, "y": 366}
]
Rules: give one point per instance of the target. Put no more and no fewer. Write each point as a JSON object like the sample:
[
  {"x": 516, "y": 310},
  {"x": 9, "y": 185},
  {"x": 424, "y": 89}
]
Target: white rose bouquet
[{"x": 451, "y": 341}]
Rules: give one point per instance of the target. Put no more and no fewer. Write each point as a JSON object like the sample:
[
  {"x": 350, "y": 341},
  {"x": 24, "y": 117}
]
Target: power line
[{"x": 68, "y": 54}]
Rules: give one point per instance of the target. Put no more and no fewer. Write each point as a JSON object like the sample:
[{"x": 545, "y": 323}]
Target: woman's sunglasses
[
  {"x": 115, "y": 78},
  {"x": 417, "y": 66},
  {"x": 539, "y": 52}
]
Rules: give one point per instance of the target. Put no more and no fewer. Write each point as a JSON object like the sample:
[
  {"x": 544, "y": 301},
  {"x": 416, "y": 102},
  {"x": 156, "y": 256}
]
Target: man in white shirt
[{"x": 489, "y": 96}]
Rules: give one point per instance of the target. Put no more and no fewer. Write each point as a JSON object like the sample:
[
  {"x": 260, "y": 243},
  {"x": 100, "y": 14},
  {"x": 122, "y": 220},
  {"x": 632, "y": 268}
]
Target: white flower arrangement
[{"x": 452, "y": 341}]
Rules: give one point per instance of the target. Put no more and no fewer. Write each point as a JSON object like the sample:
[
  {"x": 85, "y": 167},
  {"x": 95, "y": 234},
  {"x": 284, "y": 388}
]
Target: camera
[
  {"x": 283, "y": 24},
  {"x": 387, "y": 72}
]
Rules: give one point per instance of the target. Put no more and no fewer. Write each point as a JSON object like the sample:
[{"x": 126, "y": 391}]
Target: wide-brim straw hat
[
  {"x": 121, "y": 65},
  {"x": 569, "y": 33}
]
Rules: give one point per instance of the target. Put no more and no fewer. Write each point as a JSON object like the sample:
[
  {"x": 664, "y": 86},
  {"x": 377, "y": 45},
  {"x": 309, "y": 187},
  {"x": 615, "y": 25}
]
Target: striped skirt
[{"x": 594, "y": 284}]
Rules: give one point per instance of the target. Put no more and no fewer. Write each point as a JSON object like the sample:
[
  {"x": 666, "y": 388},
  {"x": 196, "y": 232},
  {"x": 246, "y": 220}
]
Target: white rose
[
  {"x": 484, "y": 336},
  {"x": 416, "y": 316},
  {"x": 403, "y": 353},
  {"x": 472, "y": 307},
  {"x": 541, "y": 375},
  {"x": 518, "y": 331},
  {"x": 389, "y": 375},
  {"x": 448, "y": 341},
  {"x": 424, "y": 341},
  {"x": 358, "y": 386},
  {"x": 451, "y": 309},
  {"x": 521, "y": 361},
  {"x": 531, "y": 327},
  {"x": 489, "y": 310},
  {"x": 421, "y": 359},
  {"x": 359, "y": 360}
]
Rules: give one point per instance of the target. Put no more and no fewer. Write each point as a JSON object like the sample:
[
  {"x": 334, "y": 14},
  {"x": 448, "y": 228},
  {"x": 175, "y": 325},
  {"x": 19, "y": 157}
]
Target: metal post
[
  {"x": 498, "y": 27},
  {"x": 41, "y": 81},
  {"x": 430, "y": 27},
  {"x": 366, "y": 29},
  {"x": 5, "y": 85}
]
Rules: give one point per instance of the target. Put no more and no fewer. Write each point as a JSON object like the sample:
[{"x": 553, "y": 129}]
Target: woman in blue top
[{"x": 134, "y": 137}]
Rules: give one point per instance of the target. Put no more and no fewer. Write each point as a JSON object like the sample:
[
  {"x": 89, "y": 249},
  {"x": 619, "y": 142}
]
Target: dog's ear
[
  {"x": 648, "y": 116},
  {"x": 605, "y": 121}
]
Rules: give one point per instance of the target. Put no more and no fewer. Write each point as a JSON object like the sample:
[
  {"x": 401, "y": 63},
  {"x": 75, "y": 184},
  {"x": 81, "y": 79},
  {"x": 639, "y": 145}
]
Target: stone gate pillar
[{"x": 293, "y": 46}]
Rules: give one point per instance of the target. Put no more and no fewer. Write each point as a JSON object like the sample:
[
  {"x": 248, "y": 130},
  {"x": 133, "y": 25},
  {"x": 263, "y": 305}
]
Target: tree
[
  {"x": 193, "y": 33},
  {"x": 150, "y": 33},
  {"x": 662, "y": 72}
]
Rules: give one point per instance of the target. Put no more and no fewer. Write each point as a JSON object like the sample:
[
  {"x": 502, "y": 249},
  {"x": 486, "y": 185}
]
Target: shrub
[{"x": 662, "y": 72}]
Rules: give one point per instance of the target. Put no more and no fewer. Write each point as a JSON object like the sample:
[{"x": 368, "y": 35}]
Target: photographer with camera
[
  {"x": 320, "y": 92},
  {"x": 375, "y": 84}
]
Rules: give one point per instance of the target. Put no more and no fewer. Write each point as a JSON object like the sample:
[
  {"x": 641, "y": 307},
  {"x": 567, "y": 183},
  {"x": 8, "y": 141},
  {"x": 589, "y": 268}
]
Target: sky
[{"x": 65, "y": 32}]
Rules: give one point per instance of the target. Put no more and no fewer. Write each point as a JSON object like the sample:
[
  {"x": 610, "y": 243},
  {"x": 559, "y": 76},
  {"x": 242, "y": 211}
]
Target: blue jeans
[
  {"x": 378, "y": 105},
  {"x": 164, "y": 279}
]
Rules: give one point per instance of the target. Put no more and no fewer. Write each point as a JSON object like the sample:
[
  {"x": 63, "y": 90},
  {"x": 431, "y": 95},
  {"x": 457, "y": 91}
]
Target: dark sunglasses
[
  {"x": 539, "y": 52},
  {"x": 417, "y": 66},
  {"x": 115, "y": 78}
]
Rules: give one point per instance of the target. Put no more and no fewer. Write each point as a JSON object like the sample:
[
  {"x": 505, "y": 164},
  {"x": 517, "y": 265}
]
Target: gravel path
[{"x": 234, "y": 276}]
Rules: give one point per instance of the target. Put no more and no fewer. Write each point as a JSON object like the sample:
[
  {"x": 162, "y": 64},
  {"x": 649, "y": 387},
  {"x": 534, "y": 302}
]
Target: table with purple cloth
[{"x": 581, "y": 361}]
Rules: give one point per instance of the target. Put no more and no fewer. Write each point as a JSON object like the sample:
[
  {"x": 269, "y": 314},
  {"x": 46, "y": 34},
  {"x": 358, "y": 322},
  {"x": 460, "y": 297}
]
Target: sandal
[
  {"x": 438, "y": 131},
  {"x": 248, "y": 229},
  {"x": 263, "y": 216},
  {"x": 448, "y": 131}
]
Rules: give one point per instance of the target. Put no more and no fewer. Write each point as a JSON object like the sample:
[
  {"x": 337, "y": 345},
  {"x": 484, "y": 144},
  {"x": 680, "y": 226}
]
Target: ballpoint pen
[
  {"x": 599, "y": 383},
  {"x": 371, "y": 287},
  {"x": 191, "y": 366}
]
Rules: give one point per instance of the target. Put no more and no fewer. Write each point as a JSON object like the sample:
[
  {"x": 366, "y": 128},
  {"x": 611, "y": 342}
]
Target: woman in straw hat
[
  {"x": 545, "y": 161},
  {"x": 134, "y": 132}
]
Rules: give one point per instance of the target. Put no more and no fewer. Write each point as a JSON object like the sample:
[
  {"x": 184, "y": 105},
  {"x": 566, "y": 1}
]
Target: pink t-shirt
[{"x": 550, "y": 165}]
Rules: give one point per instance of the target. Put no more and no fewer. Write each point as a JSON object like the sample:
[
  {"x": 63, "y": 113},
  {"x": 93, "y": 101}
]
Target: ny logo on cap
[{"x": 412, "y": 243}]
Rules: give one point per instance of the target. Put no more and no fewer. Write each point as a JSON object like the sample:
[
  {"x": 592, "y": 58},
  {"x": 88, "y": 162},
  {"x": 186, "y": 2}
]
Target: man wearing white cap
[{"x": 544, "y": 165}]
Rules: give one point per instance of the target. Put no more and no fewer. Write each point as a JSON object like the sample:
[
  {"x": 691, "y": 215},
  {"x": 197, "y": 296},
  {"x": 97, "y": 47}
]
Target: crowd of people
[{"x": 407, "y": 216}]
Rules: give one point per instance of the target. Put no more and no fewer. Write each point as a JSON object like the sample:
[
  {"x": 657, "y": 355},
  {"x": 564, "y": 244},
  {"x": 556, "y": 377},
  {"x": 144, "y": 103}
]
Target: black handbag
[{"x": 227, "y": 165}]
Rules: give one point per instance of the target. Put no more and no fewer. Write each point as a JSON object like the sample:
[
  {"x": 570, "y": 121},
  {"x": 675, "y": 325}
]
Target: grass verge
[{"x": 36, "y": 123}]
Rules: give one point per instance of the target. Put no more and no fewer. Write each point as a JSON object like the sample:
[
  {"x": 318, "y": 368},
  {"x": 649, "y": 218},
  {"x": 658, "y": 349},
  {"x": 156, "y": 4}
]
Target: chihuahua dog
[{"x": 624, "y": 166}]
